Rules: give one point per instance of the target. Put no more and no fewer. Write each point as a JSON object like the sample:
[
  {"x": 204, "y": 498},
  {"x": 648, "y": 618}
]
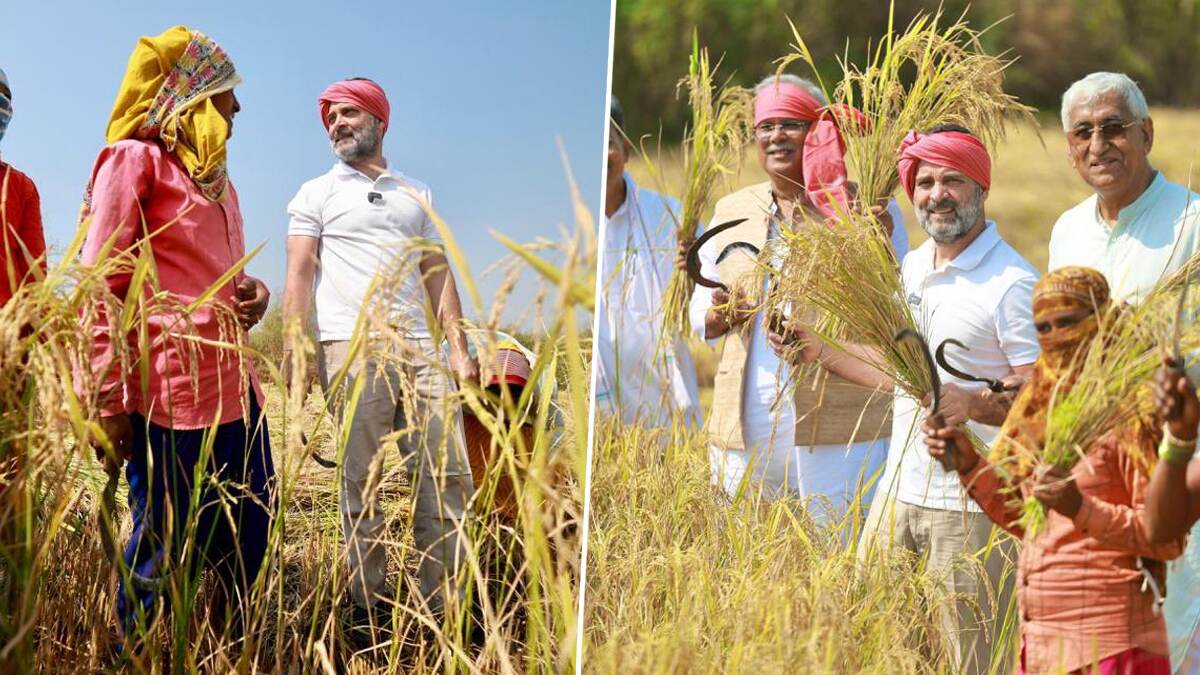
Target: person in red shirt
[{"x": 22, "y": 244}]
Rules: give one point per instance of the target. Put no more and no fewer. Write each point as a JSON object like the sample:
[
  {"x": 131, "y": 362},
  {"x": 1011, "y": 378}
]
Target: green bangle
[{"x": 1175, "y": 451}]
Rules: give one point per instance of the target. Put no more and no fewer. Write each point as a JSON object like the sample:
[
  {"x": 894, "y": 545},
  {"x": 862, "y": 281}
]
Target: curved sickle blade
[
  {"x": 993, "y": 384},
  {"x": 693, "y": 254},
  {"x": 947, "y": 459},
  {"x": 328, "y": 464},
  {"x": 934, "y": 378}
]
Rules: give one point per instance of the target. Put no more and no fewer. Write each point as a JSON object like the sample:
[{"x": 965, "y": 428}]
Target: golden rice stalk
[
  {"x": 1111, "y": 382},
  {"x": 917, "y": 79},
  {"x": 712, "y": 149},
  {"x": 848, "y": 272}
]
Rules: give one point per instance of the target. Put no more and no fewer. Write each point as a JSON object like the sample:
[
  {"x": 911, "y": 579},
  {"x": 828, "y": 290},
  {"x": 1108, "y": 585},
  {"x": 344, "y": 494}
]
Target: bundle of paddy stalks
[
  {"x": 1107, "y": 386},
  {"x": 719, "y": 131},
  {"x": 848, "y": 273},
  {"x": 844, "y": 265},
  {"x": 918, "y": 79}
]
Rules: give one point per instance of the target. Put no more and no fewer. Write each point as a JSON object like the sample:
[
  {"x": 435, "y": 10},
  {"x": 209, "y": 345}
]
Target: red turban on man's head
[
  {"x": 823, "y": 166},
  {"x": 361, "y": 93},
  {"x": 954, "y": 149}
]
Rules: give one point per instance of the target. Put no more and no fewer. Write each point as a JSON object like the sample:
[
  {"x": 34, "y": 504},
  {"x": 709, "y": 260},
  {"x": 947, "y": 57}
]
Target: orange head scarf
[
  {"x": 166, "y": 95},
  {"x": 1024, "y": 431}
]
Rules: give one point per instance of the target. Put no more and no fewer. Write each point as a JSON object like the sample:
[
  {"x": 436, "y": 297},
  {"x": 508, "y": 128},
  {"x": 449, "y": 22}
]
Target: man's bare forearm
[
  {"x": 443, "y": 296},
  {"x": 853, "y": 363},
  {"x": 297, "y": 294}
]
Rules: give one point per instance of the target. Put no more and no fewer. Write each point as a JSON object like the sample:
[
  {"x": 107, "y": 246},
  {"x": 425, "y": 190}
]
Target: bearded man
[
  {"x": 964, "y": 283},
  {"x": 364, "y": 225}
]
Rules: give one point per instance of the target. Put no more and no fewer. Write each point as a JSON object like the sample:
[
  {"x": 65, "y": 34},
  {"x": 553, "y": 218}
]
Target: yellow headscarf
[
  {"x": 1024, "y": 430},
  {"x": 166, "y": 94}
]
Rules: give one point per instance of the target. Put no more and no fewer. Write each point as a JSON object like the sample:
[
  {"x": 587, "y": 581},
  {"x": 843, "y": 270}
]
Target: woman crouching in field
[{"x": 1084, "y": 603}]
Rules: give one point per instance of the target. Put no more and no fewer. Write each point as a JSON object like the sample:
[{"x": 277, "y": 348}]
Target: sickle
[
  {"x": 108, "y": 504},
  {"x": 693, "y": 254},
  {"x": 328, "y": 464},
  {"x": 947, "y": 459},
  {"x": 993, "y": 384}
]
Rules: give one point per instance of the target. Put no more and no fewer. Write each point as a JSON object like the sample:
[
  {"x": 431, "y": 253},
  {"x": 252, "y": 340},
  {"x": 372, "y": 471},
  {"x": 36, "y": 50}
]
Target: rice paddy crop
[
  {"x": 57, "y": 585},
  {"x": 714, "y": 140},
  {"x": 683, "y": 579}
]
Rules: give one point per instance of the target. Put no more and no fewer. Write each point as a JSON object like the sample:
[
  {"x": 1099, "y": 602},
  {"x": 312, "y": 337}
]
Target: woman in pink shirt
[
  {"x": 160, "y": 187},
  {"x": 1086, "y": 583}
]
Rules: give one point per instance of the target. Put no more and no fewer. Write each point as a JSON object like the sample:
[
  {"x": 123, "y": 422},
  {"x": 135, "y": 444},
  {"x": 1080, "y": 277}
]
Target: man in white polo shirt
[
  {"x": 636, "y": 376},
  {"x": 1136, "y": 228},
  {"x": 964, "y": 283},
  {"x": 363, "y": 223}
]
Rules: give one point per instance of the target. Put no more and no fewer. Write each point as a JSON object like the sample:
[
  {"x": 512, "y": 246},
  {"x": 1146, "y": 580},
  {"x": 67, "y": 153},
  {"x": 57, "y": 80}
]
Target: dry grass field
[{"x": 520, "y": 578}]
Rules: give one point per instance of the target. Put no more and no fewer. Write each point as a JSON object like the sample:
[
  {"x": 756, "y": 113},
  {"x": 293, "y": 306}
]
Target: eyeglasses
[
  {"x": 1109, "y": 131},
  {"x": 767, "y": 129}
]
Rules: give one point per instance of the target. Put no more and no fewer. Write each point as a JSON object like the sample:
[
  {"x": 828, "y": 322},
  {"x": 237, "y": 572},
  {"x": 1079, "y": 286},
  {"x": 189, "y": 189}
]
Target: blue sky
[{"x": 479, "y": 93}]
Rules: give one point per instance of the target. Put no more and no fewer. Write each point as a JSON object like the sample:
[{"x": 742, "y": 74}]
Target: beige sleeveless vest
[{"x": 829, "y": 409}]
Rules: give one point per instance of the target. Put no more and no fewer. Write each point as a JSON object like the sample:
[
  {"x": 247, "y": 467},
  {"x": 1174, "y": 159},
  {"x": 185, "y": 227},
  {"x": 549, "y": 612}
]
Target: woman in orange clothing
[
  {"x": 22, "y": 243},
  {"x": 1086, "y": 598}
]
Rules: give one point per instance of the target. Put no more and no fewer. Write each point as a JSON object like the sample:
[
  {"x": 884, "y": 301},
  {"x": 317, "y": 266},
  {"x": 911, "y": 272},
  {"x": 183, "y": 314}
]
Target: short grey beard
[
  {"x": 366, "y": 142},
  {"x": 966, "y": 215}
]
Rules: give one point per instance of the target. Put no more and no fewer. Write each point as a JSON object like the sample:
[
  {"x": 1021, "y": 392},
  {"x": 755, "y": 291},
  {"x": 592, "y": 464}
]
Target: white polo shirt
[
  {"x": 1153, "y": 236},
  {"x": 362, "y": 236},
  {"x": 984, "y": 299}
]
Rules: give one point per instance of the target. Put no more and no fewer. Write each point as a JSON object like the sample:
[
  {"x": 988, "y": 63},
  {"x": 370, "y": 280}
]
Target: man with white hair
[
  {"x": 792, "y": 449},
  {"x": 1136, "y": 228}
]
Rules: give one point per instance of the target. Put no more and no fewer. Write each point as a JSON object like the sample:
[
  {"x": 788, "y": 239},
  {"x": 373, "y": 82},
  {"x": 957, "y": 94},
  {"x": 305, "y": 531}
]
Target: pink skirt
[{"x": 1129, "y": 662}]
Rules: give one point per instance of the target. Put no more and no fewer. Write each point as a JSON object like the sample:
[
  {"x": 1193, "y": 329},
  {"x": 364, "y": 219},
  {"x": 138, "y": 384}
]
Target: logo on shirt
[{"x": 914, "y": 300}]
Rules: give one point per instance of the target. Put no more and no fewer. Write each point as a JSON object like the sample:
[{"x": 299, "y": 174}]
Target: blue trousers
[{"x": 230, "y": 538}]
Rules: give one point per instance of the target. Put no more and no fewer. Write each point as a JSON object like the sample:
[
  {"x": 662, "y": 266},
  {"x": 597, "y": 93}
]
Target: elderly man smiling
[
  {"x": 1137, "y": 227},
  {"x": 789, "y": 450}
]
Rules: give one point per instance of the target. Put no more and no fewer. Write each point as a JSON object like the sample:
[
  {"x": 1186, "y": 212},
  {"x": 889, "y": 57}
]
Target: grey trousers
[
  {"x": 405, "y": 397},
  {"x": 953, "y": 544}
]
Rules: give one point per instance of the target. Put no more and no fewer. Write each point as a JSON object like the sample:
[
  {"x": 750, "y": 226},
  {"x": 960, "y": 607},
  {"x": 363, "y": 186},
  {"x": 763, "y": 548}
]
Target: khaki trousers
[
  {"x": 405, "y": 397},
  {"x": 953, "y": 545}
]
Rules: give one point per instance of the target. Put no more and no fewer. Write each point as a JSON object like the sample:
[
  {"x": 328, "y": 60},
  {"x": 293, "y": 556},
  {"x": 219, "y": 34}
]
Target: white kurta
[
  {"x": 636, "y": 375},
  {"x": 770, "y": 456},
  {"x": 1153, "y": 236}
]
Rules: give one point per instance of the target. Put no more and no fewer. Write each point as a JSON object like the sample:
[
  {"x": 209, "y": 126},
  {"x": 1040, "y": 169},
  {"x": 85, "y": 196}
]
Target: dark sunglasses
[{"x": 1109, "y": 131}]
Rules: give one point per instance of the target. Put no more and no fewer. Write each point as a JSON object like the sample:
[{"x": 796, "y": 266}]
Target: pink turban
[
  {"x": 363, "y": 94},
  {"x": 953, "y": 149},
  {"x": 823, "y": 167}
]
